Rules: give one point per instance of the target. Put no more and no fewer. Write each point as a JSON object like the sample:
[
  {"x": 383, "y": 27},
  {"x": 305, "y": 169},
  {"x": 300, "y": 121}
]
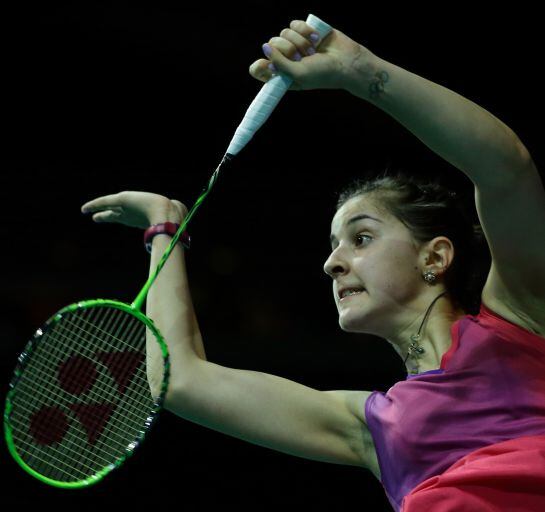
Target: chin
[
  {"x": 355, "y": 323},
  {"x": 349, "y": 325}
]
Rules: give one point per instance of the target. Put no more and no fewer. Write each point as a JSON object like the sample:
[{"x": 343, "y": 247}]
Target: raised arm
[
  {"x": 458, "y": 130},
  {"x": 464, "y": 134}
]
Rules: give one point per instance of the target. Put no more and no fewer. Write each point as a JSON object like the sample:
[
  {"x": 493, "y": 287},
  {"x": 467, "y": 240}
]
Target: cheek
[{"x": 392, "y": 271}]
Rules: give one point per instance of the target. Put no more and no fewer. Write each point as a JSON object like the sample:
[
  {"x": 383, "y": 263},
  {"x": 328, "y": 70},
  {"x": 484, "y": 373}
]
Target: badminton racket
[{"x": 79, "y": 402}]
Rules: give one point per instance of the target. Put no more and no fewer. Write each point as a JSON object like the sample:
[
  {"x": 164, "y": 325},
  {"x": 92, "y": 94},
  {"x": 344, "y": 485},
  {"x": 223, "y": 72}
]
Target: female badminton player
[{"x": 466, "y": 429}]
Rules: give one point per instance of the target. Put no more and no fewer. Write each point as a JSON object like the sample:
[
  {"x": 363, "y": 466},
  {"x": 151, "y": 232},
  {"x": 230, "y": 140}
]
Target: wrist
[
  {"x": 363, "y": 74},
  {"x": 167, "y": 214},
  {"x": 165, "y": 228}
]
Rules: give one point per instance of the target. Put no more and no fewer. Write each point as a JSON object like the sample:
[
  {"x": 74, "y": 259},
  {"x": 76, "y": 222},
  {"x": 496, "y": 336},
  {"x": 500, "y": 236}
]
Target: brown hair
[{"x": 429, "y": 209}]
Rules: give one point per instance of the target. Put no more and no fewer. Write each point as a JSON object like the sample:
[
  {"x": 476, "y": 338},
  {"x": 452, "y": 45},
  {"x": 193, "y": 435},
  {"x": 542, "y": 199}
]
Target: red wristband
[{"x": 166, "y": 228}]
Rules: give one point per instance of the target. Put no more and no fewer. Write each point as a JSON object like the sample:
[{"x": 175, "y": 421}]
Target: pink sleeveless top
[{"x": 489, "y": 388}]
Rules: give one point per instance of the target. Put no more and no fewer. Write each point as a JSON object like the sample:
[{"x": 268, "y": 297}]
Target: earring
[{"x": 430, "y": 276}]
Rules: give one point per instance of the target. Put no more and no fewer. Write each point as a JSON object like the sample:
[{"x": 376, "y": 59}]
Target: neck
[{"x": 422, "y": 344}]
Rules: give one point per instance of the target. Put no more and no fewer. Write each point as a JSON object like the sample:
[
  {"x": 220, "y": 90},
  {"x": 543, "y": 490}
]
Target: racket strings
[
  {"x": 70, "y": 447},
  {"x": 64, "y": 406},
  {"x": 34, "y": 401},
  {"x": 41, "y": 365},
  {"x": 33, "y": 456},
  {"x": 68, "y": 444},
  {"x": 99, "y": 408},
  {"x": 77, "y": 336}
]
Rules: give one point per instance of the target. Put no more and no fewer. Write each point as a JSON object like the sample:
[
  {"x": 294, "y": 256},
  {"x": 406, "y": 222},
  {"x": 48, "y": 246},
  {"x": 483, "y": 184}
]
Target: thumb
[
  {"x": 281, "y": 62},
  {"x": 107, "y": 216}
]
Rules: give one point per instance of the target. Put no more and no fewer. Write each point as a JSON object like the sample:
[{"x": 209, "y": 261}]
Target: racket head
[{"x": 77, "y": 405}]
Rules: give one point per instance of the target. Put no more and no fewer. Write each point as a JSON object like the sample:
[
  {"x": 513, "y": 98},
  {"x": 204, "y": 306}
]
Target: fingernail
[
  {"x": 272, "y": 67},
  {"x": 267, "y": 50},
  {"x": 314, "y": 37},
  {"x": 297, "y": 56},
  {"x": 311, "y": 51}
]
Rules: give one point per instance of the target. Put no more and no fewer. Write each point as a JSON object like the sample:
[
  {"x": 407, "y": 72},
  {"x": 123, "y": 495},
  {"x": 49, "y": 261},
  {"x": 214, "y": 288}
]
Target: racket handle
[{"x": 268, "y": 97}]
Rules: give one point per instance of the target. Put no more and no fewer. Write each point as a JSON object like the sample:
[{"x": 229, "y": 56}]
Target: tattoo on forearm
[{"x": 377, "y": 84}]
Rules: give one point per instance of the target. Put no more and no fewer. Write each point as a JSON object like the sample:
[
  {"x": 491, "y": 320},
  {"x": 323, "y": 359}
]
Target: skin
[
  {"x": 390, "y": 264},
  {"x": 458, "y": 130},
  {"x": 169, "y": 302},
  {"x": 337, "y": 64},
  {"x": 135, "y": 209}
]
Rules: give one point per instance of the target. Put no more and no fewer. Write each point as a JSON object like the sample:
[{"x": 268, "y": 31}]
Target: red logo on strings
[{"x": 77, "y": 375}]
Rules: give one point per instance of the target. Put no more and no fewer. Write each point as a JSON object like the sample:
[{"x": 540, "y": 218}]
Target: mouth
[{"x": 349, "y": 293}]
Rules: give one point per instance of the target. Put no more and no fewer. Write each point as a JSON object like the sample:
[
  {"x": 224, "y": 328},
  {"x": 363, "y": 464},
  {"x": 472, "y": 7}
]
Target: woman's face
[{"x": 380, "y": 255}]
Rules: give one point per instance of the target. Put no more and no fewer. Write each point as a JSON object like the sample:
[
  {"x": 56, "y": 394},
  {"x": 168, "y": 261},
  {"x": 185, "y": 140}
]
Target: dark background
[{"x": 100, "y": 97}]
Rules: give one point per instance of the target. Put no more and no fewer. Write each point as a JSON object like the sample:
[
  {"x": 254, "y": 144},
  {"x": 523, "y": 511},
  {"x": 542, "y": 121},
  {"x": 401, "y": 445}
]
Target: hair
[{"x": 428, "y": 209}]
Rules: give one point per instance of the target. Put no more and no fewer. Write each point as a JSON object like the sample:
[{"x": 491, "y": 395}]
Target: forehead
[{"x": 357, "y": 207}]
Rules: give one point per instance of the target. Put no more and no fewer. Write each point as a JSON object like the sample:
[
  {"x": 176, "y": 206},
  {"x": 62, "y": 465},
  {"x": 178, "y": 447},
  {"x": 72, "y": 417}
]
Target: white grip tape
[{"x": 268, "y": 97}]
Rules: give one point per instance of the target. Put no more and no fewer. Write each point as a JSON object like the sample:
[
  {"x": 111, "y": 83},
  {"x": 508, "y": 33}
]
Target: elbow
[
  {"x": 523, "y": 157},
  {"x": 170, "y": 397},
  {"x": 176, "y": 388},
  {"x": 174, "y": 396},
  {"x": 507, "y": 172},
  {"x": 160, "y": 387},
  {"x": 157, "y": 391}
]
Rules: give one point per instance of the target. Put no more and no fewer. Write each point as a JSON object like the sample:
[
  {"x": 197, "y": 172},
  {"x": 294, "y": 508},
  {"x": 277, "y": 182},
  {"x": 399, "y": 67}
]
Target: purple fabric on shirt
[{"x": 490, "y": 388}]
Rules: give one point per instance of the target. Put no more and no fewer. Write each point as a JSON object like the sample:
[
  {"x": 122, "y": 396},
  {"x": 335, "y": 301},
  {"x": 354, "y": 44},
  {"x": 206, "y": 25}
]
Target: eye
[{"x": 360, "y": 236}]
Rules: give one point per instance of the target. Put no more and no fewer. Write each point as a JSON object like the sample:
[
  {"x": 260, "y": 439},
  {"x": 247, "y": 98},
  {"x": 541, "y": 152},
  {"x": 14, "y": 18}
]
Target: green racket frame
[
  {"x": 133, "y": 309},
  {"x": 254, "y": 117},
  {"x": 94, "y": 479}
]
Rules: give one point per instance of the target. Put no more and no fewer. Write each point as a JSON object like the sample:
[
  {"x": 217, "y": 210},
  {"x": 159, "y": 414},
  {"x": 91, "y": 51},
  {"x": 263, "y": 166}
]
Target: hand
[
  {"x": 135, "y": 209},
  {"x": 332, "y": 65}
]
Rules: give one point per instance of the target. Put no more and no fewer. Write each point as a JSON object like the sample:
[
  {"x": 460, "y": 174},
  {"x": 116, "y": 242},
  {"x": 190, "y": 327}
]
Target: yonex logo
[{"x": 78, "y": 375}]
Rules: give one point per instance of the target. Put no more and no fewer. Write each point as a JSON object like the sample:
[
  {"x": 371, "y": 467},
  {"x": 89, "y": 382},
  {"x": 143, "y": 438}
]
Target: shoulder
[
  {"x": 528, "y": 314},
  {"x": 355, "y": 401}
]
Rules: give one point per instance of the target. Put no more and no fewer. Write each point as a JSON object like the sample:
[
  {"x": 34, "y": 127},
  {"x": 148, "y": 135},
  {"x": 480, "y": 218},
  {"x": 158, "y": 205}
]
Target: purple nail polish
[
  {"x": 272, "y": 67},
  {"x": 267, "y": 50},
  {"x": 297, "y": 56},
  {"x": 311, "y": 51},
  {"x": 314, "y": 37}
]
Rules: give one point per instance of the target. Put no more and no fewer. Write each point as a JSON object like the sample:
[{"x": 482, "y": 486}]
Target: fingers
[
  {"x": 303, "y": 46},
  {"x": 104, "y": 209},
  {"x": 293, "y": 44},
  {"x": 296, "y": 42},
  {"x": 107, "y": 216},
  {"x": 285, "y": 46},
  {"x": 305, "y": 30},
  {"x": 280, "y": 61},
  {"x": 260, "y": 70},
  {"x": 100, "y": 203}
]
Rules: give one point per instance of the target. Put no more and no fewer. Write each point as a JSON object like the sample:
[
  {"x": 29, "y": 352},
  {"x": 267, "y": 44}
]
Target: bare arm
[
  {"x": 463, "y": 133},
  {"x": 277, "y": 413},
  {"x": 169, "y": 302},
  {"x": 257, "y": 407},
  {"x": 458, "y": 130},
  {"x": 170, "y": 306}
]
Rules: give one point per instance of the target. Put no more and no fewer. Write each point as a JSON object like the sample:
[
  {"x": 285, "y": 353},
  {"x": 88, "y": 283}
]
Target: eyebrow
[{"x": 361, "y": 216}]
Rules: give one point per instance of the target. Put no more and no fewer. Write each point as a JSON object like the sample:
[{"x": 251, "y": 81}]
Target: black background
[{"x": 100, "y": 97}]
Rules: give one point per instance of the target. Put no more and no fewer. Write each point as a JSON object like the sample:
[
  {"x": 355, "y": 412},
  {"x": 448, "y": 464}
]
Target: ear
[{"x": 438, "y": 254}]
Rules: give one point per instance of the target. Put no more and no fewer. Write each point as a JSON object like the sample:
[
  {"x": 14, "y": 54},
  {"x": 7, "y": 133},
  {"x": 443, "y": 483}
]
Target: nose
[{"x": 334, "y": 265}]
